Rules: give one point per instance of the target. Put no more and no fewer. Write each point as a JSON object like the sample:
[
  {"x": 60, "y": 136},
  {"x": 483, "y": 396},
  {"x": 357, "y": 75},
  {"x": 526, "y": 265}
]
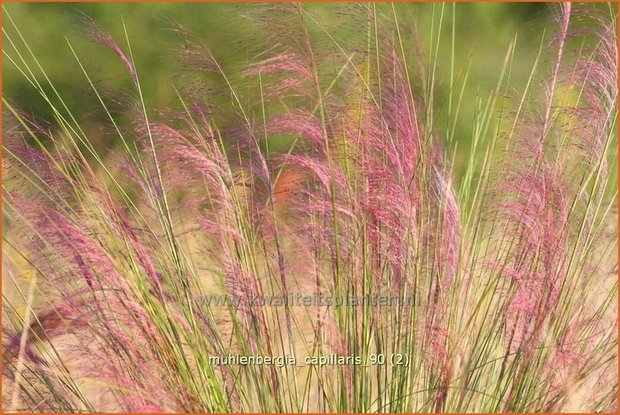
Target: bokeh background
[{"x": 482, "y": 31}]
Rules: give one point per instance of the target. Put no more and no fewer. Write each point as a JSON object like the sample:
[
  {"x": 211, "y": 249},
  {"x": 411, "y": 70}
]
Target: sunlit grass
[{"x": 324, "y": 168}]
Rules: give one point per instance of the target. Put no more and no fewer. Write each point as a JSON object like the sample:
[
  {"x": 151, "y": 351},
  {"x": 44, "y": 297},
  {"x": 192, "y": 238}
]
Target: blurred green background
[{"x": 483, "y": 32}]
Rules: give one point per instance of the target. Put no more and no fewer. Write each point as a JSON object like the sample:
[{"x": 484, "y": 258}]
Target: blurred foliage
[{"x": 483, "y": 33}]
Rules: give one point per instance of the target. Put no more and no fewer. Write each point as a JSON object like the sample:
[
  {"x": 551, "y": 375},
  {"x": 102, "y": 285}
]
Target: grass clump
[{"x": 297, "y": 238}]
